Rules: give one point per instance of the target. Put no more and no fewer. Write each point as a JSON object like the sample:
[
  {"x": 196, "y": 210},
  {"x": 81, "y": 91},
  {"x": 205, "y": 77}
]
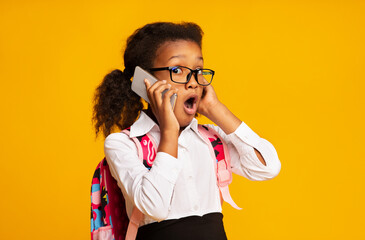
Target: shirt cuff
[{"x": 167, "y": 166}]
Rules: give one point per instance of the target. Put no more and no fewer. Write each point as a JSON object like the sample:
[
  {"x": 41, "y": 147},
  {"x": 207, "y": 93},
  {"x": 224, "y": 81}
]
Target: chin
[
  {"x": 184, "y": 117},
  {"x": 185, "y": 122}
]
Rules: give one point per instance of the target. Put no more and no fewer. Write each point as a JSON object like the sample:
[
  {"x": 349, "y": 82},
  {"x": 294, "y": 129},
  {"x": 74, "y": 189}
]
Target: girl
[{"x": 178, "y": 196}]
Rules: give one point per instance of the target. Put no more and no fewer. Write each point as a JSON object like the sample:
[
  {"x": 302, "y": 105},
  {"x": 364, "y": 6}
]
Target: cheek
[
  {"x": 163, "y": 75},
  {"x": 179, "y": 87}
]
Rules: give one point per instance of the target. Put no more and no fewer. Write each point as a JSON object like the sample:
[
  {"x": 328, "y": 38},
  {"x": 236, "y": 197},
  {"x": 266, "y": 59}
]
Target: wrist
[
  {"x": 224, "y": 118},
  {"x": 169, "y": 134},
  {"x": 168, "y": 142},
  {"x": 213, "y": 109}
]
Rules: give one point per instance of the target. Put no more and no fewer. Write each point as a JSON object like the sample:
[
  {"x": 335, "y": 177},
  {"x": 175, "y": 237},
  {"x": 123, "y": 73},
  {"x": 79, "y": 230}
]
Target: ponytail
[{"x": 115, "y": 104}]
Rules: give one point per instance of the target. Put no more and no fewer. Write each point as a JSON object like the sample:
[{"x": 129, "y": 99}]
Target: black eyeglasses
[{"x": 180, "y": 74}]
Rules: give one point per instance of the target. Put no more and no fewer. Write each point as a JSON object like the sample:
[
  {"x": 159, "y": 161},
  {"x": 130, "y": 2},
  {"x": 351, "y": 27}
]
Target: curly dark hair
[{"x": 115, "y": 104}]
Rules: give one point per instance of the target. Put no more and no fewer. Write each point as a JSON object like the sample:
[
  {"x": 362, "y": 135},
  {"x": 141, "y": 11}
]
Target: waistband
[{"x": 206, "y": 227}]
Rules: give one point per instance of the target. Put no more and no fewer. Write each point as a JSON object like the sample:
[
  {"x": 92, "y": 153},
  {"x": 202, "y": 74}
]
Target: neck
[{"x": 149, "y": 113}]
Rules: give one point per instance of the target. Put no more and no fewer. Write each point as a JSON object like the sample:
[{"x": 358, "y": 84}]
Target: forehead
[{"x": 178, "y": 50}]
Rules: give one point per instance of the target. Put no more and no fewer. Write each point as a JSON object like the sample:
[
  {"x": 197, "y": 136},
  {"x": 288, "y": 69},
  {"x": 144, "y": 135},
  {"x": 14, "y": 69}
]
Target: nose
[{"x": 193, "y": 82}]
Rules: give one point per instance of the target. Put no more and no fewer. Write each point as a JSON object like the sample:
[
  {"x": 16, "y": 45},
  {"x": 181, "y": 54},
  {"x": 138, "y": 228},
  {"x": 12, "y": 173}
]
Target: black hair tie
[{"x": 127, "y": 73}]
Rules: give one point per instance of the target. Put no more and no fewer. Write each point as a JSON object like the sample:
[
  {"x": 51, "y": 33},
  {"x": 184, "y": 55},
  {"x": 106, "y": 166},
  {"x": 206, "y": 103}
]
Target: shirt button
[{"x": 196, "y": 208}]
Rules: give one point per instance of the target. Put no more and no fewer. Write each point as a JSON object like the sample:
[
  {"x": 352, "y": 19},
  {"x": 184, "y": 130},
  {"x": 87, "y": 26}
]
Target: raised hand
[
  {"x": 162, "y": 109},
  {"x": 208, "y": 101},
  {"x": 216, "y": 111}
]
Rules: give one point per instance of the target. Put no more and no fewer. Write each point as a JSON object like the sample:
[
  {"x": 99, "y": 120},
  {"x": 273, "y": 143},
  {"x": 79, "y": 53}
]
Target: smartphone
[{"x": 139, "y": 87}]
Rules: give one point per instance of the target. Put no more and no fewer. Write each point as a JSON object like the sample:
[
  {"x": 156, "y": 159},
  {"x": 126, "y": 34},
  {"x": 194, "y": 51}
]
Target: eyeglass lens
[{"x": 183, "y": 75}]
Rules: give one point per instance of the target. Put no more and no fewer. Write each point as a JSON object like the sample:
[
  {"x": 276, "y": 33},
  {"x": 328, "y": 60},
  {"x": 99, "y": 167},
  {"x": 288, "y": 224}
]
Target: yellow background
[{"x": 292, "y": 70}]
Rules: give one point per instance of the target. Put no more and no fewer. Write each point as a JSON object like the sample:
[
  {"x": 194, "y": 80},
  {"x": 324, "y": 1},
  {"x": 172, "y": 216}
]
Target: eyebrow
[{"x": 183, "y": 56}]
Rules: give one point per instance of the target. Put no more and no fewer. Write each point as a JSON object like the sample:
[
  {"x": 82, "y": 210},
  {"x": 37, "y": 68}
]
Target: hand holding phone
[{"x": 139, "y": 87}]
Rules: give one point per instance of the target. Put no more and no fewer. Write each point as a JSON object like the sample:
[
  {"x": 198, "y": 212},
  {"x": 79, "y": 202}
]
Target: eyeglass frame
[{"x": 188, "y": 77}]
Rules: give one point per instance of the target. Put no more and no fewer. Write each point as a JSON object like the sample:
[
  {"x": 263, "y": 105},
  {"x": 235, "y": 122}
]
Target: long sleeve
[
  {"x": 150, "y": 190},
  {"x": 244, "y": 162}
]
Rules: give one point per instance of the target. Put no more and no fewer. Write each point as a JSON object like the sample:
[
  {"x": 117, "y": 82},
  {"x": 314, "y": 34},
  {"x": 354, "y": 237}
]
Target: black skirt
[{"x": 207, "y": 227}]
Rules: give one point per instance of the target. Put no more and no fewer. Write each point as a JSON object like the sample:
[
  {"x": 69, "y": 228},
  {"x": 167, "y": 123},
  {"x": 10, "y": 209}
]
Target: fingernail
[
  {"x": 169, "y": 85},
  {"x": 164, "y": 81}
]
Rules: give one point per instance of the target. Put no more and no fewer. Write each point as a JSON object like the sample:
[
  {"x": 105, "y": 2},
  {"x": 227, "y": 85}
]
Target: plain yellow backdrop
[{"x": 292, "y": 70}]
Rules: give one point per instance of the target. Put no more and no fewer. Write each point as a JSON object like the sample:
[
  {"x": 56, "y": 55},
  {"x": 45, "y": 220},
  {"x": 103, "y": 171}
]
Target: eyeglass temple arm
[{"x": 160, "y": 69}]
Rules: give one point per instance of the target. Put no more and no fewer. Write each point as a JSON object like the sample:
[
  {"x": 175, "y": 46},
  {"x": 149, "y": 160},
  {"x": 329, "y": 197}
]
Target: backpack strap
[
  {"x": 146, "y": 148},
  {"x": 136, "y": 218},
  {"x": 219, "y": 152}
]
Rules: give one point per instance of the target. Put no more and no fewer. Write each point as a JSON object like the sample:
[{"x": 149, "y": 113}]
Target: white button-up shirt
[{"x": 187, "y": 185}]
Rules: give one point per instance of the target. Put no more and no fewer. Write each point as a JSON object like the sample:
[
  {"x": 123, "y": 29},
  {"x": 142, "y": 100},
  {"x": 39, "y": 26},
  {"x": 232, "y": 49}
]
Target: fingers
[
  {"x": 150, "y": 89},
  {"x": 159, "y": 91},
  {"x": 209, "y": 88},
  {"x": 167, "y": 96},
  {"x": 159, "y": 95},
  {"x": 208, "y": 92},
  {"x": 155, "y": 93}
]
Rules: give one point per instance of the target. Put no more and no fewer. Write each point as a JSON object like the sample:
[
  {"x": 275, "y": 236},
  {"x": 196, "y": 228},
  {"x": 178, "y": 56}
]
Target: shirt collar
[
  {"x": 142, "y": 126},
  {"x": 145, "y": 124},
  {"x": 193, "y": 125}
]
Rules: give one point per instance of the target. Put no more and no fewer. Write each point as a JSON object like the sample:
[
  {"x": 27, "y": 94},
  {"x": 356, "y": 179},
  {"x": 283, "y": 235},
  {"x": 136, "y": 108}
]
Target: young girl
[{"x": 178, "y": 196}]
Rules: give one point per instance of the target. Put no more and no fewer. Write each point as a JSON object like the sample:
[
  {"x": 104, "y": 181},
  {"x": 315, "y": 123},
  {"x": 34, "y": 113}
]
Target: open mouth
[
  {"x": 190, "y": 105},
  {"x": 190, "y": 102}
]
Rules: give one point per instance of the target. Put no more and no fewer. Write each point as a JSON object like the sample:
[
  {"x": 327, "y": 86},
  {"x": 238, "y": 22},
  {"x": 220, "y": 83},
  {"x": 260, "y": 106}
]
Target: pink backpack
[{"x": 109, "y": 220}]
